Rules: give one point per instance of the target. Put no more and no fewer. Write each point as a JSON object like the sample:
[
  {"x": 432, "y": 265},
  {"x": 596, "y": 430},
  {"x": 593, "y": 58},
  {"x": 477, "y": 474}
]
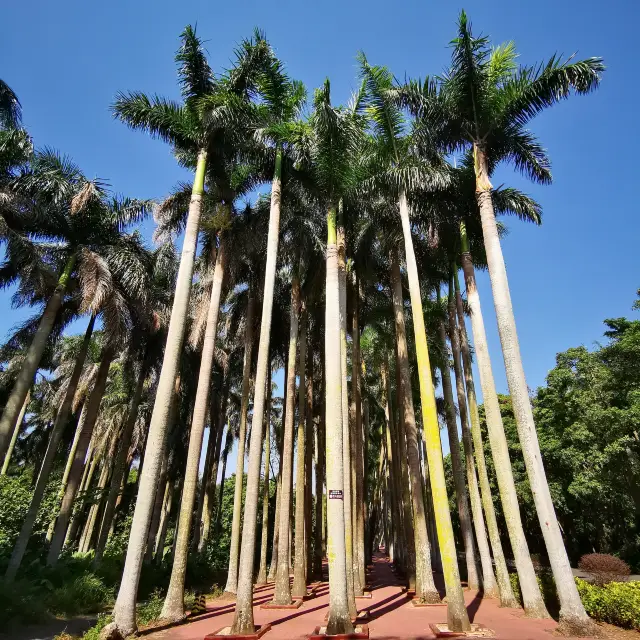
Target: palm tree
[
  {"x": 182, "y": 127},
  {"x": 484, "y": 103},
  {"x": 57, "y": 232},
  {"x": 332, "y": 142},
  {"x": 282, "y": 99},
  {"x": 402, "y": 169}
]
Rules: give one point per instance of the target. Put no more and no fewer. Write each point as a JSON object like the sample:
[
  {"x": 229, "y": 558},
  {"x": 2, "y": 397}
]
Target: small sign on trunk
[{"x": 335, "y": 494}]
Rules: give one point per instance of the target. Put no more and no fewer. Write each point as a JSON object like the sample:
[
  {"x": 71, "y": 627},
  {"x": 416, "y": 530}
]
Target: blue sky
[{"x": 67, "y": 59}]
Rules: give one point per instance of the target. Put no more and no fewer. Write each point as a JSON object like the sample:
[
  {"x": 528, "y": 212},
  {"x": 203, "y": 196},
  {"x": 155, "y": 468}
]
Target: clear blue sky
[{"x": 67, "y": 59}]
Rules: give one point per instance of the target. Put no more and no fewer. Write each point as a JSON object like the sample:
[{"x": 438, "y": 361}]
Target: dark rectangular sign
[{"x": 335, "y": 494}]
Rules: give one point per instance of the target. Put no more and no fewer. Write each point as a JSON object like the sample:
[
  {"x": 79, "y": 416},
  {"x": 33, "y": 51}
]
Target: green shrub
[
  {"x": 616, "y": 603},
  {"x": 150, "y": 609},
  {"x": 22, "y": 602},
  {"x": 85, "y": 594}
]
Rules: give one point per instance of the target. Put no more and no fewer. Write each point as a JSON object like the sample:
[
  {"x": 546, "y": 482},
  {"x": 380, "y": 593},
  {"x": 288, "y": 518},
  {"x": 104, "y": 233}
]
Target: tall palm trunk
[
  {"x": 507, "y": 598},
  {"x": 67, "y": 469},
  {"x": 203, "y": 509},
  {"x": 425, "y": 587},
  {"x": 489, "y": 585},
  {"x": 234, "y": 547},
  {"x": 124, "y": 612},
  {"x": 87, "y": 534},
  {"x": 273, "y": 567},
  {"x": 243, "y": 621},
  {"x": 213, "y": 478},
  {"x": 262, "y": 571},
  {"x": 531, "y": 597},
  {"x": 223, "y": 475},
  {"x": 16, "y": 433},
  {"x": 320, "y": 451},
  {"x": 93, "y": 406},
  {"x": 164, "y": 522},
  {"x": 359, "y": 546},
  {"x": 339, "y": 620},
  {"x": 457, "y": 613},
  {"x": 308, "y": 466},
  {"x": 173, "y": 608},
  {"x": 346, "y": 436},
  {"x": 573, "y": 616},
  {"x": 32, "y": 359},
  {"x": 299, "y": 567},
  {"x": 462, "y": 496},
  {"x": 394, "y": 496},
  {"x": 60, "y": 423},
  {"x": 282, "y": 592},
  {"x": 93, "y": 458},
  {"x": 157, "y": 513},
  {"x": 120, "y": 464}
]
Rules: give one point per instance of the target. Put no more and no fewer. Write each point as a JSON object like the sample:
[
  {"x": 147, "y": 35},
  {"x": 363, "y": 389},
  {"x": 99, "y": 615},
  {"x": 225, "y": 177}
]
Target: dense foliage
[{"x": 587, "y": 417}]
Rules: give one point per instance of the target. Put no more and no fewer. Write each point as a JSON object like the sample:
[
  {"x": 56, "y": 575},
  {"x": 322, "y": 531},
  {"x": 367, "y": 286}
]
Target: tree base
[
  {"x": 579, "y": 627},
  {"x": 441, "y": 630},
  {"x": 228, "y": 595},
  {"x": 111, "y": 632},
  {"x": 296, "y": 604},
  {"x": 361, "y": 632},
  {"x": 225, "y": 632},
  {"x": 366, "y": 595},
  {"x": 416, "y": 602},
  {"x": 311, "y": 591}
]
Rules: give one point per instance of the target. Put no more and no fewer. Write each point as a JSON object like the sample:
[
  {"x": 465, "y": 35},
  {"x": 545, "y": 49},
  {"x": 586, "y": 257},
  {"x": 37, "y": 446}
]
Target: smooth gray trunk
[
  {"x": 60, "y": 423},
  {"x": 234, "y": 548},
  {"x": 173, "y": 608},
  {"x": 75, "y": 475},
  {"x": 573, "y": 617},
  {"x": 507, "y": 598},
  {"x": 124, "y": 612}
]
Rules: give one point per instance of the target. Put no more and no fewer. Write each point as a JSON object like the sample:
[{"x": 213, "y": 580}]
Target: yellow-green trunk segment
[{"x": 198, "y": 179}]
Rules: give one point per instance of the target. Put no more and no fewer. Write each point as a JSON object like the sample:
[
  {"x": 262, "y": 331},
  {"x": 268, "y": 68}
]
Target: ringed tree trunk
[
  {"x": 173, "y": 607},
  {"x": 339, "y": 619},
  {"x": 462, "y": 497},
  {"x": 299, "y": 568},
  {"x": 157, "y": 514},
  {"x": 458, "y": 619},
  {"x": 124, "y": 612},
  {"x": 489, "y": 585},
  {"x": 62, "y": 417},
  {"x": 243, "y": 620},
  {"x": 308, "y": 465},
  {"x": 359, "y": 519},
  {"x": 93, "y": 406},
  {"x": 425, "y": 587},
  {"x": 399, "y": 442},
  {"x": 16, "y": 433},
  {"x": 164, "y": 522},
  {"x": 394, "y": 498},
  {"x": 273, "y": 567},
  {"x": 346, "y": 439},
  {"x": 225, "y": 456},
  {"x": 120, "y": 464},
  {"x": 320, "y": 449},
  {"x": 534, "y": 606},
  {"x": 32, "y": 358},
  {"x": 262, "y": 571},
  {"x": 282, "y": 592},
  {"x": 234, "y": 547},
  {"x": 573, "y": 617},
  {"x": 507, "y": 598}
]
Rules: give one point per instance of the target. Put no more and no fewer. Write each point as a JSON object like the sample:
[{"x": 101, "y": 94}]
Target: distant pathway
[{"x": 391, "y": 615}]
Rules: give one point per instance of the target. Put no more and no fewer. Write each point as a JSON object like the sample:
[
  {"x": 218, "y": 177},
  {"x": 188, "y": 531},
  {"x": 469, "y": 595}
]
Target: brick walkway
[{"x": 391, "y": 615}]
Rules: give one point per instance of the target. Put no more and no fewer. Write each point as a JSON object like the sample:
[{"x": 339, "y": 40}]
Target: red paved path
[{"x": 391, "y": 615}]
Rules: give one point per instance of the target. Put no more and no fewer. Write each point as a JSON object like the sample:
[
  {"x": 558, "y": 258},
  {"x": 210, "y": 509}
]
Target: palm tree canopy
[{"x": 487, "y": 99}]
